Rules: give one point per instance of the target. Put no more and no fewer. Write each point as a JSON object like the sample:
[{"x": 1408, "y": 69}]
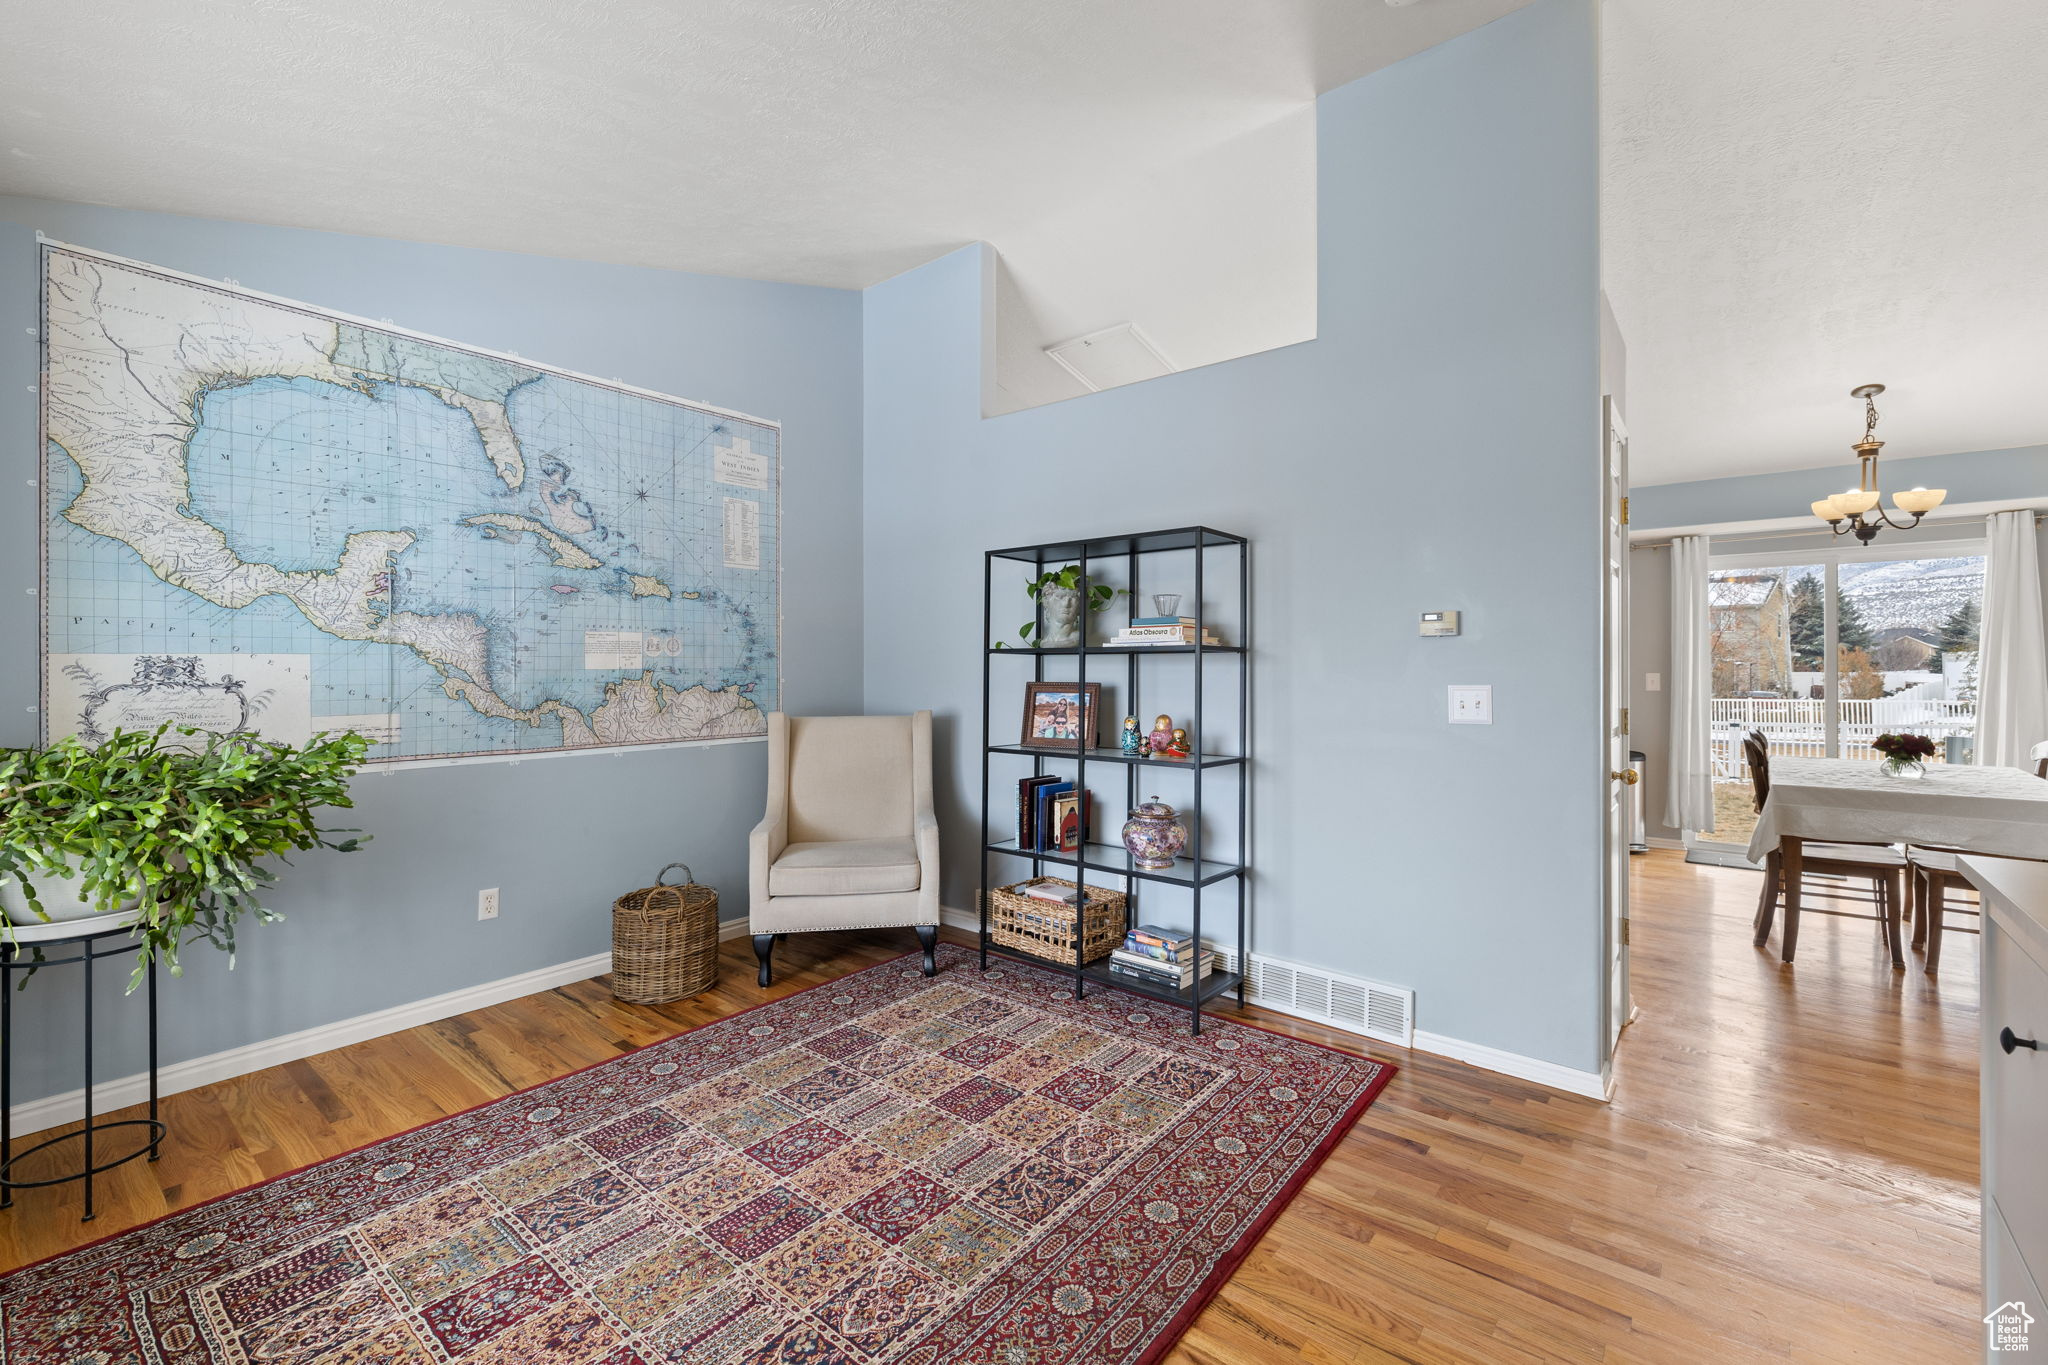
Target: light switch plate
[
  {"x": 1471, "y": 703},
  {"x": 1653, "y": 682}
]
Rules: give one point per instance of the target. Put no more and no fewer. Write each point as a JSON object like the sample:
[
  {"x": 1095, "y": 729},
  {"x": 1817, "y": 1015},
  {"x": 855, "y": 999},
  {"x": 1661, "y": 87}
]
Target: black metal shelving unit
[{"x": 1198, "y": 870}]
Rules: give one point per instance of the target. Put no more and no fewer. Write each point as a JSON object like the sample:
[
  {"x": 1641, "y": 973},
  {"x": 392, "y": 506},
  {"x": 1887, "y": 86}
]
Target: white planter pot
[
  {"x": 61, "y": 897},
  {"x": 1062, "y": 611}
]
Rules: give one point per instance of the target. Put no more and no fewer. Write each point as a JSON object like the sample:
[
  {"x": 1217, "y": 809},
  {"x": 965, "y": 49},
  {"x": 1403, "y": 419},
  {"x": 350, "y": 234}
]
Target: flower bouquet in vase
[{"x": 1904, "y": 755}]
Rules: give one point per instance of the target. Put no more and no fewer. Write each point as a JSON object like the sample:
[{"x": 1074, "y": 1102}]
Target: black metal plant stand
[
  {"x": 1197, "y": 869},
  {"x": 45, "y": 937}
]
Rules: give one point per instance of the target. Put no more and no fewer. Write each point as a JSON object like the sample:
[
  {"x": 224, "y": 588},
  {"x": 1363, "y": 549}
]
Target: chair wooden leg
[
  {"x": 1893, "y": 904},
  {"x": 764, "y": 946},
  {"x": 1918, "y": 876},
  {"x": 928, "y": 939},
  {"x": 1767, "y": 899},
  {"x": 1792, "y": 853},
  {"x": 1935, "y": 908}
]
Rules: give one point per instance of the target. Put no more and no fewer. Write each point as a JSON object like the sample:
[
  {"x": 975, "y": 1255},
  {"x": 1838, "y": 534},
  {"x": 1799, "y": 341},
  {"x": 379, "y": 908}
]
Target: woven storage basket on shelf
[
  {"x": 664, "y": 941},
  {"x": 1046, "y": 928}
]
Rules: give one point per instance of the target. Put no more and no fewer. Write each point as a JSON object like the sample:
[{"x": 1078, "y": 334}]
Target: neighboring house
[
  {"x": 1904, "y": 649},
  {"x": 1751, "y": 617}
]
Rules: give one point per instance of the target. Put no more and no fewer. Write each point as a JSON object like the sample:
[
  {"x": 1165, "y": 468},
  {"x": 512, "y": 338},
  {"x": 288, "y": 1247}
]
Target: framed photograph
[{"x": 1057, "y": 714}]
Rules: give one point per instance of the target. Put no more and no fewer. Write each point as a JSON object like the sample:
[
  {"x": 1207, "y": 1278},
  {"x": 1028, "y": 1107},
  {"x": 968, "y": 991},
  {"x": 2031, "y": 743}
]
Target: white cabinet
[{"x": 2015, "y": 1090}]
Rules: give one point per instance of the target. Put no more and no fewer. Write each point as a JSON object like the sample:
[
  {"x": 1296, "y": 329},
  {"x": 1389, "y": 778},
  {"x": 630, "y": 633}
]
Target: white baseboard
[
  {"x": 1593, "y": 1085},
  {"x": 1596, "y": 1085},
  {"x": 53, "y": 1110},
  {"x": 1659, "y": 841}
]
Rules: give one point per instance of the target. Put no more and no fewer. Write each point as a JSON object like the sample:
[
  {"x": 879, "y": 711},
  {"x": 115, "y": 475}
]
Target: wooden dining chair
[
  {"x": 1932, "y": 874},
  {"x": 1844, "y": 867}
]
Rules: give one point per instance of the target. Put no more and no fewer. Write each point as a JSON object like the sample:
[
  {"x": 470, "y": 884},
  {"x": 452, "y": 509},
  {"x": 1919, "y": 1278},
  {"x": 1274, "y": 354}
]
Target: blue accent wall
[
  {"x": 1437, "y": 446},
  {"x": 560, "y": 837}
]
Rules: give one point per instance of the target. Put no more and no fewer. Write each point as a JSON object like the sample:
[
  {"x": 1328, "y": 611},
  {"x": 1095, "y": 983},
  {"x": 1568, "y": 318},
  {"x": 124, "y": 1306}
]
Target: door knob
[
  {"x": 2009, "y": 1040},
  {"x": 1628, "y": 777}
]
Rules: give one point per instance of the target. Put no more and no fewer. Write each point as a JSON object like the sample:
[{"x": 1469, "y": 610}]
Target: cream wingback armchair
[{"x": 849, "y": 840}]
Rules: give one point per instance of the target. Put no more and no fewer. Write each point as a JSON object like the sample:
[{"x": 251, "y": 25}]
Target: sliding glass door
[
  {"x": 1760, "y": 682},
  {"x": 1823, "y": 652}
]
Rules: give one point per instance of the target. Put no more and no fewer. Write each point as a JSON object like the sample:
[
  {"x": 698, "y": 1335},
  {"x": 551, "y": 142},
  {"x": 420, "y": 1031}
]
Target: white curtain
[
  {"x": 1689, "y": 794},
  {"x": 2012, "y": 671}
]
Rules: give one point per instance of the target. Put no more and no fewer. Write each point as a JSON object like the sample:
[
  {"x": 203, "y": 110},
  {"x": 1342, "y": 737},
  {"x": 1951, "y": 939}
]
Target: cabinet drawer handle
[{"x": 2009, "y": 1040}]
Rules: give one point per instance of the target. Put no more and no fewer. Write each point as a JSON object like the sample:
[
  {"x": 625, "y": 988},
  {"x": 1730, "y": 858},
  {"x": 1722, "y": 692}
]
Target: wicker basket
[
  {"x": 664, "y": 941},
  {"x": 1046, "y": 928}
]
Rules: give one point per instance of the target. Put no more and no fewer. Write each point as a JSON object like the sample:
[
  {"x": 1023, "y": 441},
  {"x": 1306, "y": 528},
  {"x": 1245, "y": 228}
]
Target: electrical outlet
[{"x": 487, "y": 903}]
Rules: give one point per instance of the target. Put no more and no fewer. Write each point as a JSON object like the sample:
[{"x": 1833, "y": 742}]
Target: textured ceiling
[
  {"x": 830, "y": 143},
  {"x": 1799, "y": 198}
]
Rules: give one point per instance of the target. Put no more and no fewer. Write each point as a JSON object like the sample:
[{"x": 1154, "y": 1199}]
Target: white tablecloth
[{"x": 1847, "y": 800}]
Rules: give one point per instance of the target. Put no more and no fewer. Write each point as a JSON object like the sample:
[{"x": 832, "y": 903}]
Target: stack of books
[
  {"x": 1051, "y": 815},
  {"x": 1162, "y": 630},
  {"x": 1161, "y": 957}
]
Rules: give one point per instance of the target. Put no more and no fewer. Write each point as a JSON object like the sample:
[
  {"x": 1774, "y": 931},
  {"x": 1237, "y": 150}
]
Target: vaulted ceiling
[
  {"x": 828, "y": 143},
  {"x": 1797, "y": 198},
  {"x": 1800, "y": 198}
]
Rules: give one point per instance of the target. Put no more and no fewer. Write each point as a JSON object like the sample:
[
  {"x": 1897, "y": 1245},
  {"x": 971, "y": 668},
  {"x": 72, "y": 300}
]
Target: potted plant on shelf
[
  {"x": 1904, "y": 755},
  {"x": 172, "y": 834},
  {"x": 1058, "y": 594}
]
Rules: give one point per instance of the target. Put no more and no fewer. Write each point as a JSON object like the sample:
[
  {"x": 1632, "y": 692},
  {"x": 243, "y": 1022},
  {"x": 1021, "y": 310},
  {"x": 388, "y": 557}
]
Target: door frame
[{"x": 1617, "y": 1006}]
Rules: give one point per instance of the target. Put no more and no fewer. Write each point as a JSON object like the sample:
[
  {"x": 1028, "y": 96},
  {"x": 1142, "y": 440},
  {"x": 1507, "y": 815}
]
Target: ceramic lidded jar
[{"x": 1154, "y": 834}]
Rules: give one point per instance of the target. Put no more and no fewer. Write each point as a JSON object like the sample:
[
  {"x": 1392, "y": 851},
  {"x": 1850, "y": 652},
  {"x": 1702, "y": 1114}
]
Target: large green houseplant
[{"x": 178, "y": 828}]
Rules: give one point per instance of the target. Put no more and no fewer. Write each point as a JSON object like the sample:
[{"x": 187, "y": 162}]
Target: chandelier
[{"x": 1851, "y": 513}]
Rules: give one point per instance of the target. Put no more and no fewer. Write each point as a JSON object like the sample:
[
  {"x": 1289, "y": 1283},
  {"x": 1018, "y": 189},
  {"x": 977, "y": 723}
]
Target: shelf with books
[
  {"x": 1027, "y": 650},
  {"x": 1214, "y": 984},
  {"x": 1188, "y": 592},
  {"x": 1115, "y": 859},
  {"x": 1119, "y": 756}
]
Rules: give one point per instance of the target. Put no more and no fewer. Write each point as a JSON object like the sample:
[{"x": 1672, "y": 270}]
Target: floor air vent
[{"x": 1372, "y": 1008}]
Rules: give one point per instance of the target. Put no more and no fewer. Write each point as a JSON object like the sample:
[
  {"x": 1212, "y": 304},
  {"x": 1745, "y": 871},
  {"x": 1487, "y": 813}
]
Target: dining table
[{"x": 2001, "y": 812}]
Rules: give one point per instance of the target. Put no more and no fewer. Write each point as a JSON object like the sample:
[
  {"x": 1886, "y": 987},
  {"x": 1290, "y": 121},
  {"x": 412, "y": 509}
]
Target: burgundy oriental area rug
[{"x": 883, "y": 1170}]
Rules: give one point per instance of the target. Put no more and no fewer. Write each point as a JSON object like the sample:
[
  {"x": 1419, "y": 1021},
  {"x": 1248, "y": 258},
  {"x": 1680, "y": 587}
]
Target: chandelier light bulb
[{"x": 1919, "y": 501}]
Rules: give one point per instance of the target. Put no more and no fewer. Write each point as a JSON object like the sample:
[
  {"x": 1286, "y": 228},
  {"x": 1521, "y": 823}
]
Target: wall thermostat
[{"x": 1439, "y": 623}]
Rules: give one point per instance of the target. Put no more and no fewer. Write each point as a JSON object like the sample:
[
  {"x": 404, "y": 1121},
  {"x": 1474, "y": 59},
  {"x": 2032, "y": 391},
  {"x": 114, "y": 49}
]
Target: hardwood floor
[{"x": 1788, "y": 1169}]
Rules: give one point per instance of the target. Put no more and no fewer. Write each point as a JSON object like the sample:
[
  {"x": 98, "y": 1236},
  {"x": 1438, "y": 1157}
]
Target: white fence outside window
[{"x": 1797, "y": 728}]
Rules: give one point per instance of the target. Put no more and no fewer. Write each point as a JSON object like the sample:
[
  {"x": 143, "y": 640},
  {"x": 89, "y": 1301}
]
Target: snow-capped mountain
[{"x": 1914, "y": 593}]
